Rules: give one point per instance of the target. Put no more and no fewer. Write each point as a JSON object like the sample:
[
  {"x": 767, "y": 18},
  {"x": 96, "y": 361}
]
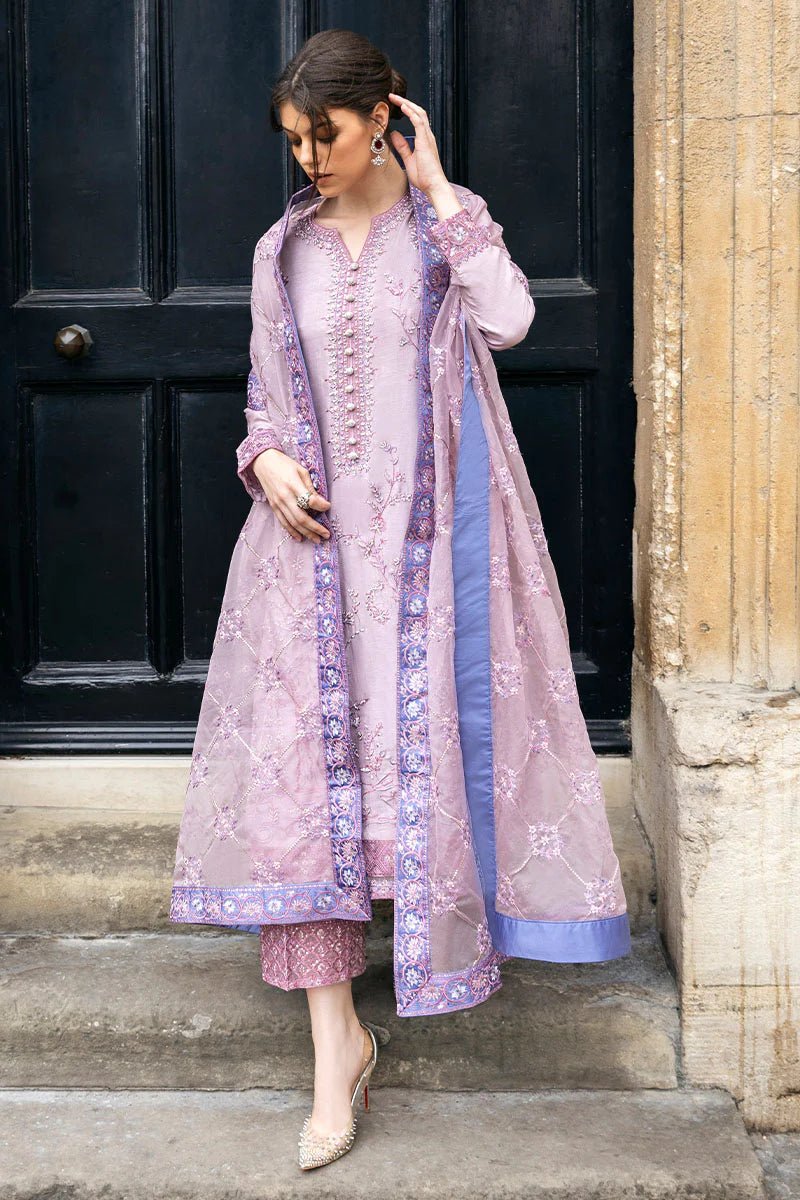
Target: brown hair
[{"x": 336, "y": 68}]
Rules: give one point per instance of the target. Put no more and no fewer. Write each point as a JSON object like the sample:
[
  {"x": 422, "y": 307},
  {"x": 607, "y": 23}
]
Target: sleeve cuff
[
  {"x": 459, "y": 237},
  {"x": 253, "y": 445}
]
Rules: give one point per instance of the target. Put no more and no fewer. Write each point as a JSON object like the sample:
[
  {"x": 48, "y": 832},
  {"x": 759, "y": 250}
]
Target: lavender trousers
[
  {"x": 316, "y": 953},
  {"x": 312, "y": 953}
]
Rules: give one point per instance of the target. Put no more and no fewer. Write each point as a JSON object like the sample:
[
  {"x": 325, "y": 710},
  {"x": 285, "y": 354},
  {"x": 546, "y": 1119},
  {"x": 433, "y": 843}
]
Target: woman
[{"x": 390, "y": 707}]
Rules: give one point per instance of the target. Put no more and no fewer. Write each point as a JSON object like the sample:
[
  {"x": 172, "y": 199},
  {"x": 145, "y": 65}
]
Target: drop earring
[{"x": 376, "y": 145}]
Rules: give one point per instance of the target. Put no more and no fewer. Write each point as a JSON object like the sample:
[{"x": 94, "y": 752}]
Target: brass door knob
[{"x": 73, "y": 341}]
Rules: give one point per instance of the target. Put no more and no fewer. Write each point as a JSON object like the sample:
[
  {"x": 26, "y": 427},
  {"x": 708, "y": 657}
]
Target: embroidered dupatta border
[
  {"x": 343, "y": 776},
  {"x": 418, "y": 989}
]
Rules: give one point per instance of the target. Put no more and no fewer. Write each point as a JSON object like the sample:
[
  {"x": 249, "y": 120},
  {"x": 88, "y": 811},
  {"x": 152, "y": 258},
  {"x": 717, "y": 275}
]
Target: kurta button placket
[{"x": 350, "y": 316}]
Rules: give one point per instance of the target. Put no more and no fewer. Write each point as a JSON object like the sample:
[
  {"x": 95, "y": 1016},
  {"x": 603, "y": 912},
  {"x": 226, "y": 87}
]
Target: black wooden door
[{"x": 142, "y": 171}]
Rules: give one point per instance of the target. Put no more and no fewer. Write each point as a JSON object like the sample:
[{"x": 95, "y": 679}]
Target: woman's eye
[{"x": 325, "y": 141}]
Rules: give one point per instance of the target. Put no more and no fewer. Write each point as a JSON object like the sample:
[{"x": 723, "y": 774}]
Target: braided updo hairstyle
[{"x": 336, "y": 68}]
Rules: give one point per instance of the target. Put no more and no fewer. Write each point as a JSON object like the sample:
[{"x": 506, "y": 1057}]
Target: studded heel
[{"x": 317, "y": 1150}]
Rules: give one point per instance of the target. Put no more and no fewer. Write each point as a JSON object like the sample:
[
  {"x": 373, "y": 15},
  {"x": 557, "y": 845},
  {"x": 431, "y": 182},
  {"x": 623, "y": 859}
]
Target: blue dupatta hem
[{"x": 553, "y": 941}]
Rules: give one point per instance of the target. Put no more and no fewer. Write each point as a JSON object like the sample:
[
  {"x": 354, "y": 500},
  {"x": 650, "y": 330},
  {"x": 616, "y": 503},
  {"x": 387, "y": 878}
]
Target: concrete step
[
  {"x": 90, "y": 870},
  {"x": 191, "y": 1011},
  {"x": 562, "y": 1145}
]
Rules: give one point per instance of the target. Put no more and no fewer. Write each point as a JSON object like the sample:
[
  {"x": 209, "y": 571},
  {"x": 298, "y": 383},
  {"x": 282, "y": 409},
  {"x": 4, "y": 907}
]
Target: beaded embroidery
[{"x": 350, "y": 336}]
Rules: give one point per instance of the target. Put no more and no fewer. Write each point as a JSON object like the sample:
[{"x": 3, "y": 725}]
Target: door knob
[{"x": 73, "y": 341}]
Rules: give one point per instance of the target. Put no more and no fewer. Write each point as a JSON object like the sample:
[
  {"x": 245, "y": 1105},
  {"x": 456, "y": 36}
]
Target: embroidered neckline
[{"x": 375, "y": 223}]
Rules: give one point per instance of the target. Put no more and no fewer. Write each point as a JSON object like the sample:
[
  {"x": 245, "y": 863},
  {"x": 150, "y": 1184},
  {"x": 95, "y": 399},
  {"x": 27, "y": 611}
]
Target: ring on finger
[{"x": 303, "y": 499}]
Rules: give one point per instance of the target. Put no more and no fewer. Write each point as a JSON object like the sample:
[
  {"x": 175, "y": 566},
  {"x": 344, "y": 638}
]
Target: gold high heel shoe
[{"x": 316, "y": 1150}]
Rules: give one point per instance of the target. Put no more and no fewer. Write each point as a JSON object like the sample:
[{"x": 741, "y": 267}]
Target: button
[
  {"x": 349, "y": 387},
  {"x": 352, "y": 454},
  {"x": 349, "y": 370},
  {"x": 350, "y": 299},
  {"x": 349, "y": 332},
  {"x": 348, "y": 314},
  {"x": 351, "y": 441},
  {"x": 348, "y": 350},
  {"x": 350, "y": 406},
  {"x": 353, "y": 266},
  {"x": 351, "y": 423}
]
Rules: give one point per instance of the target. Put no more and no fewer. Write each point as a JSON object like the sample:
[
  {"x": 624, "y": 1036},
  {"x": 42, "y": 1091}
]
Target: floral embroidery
[
  {"x": 506, "y": 677},
  {"x": 407, "y": 309},
  {"x": 459, "y": 237},
  {"x": 442, "y": 622},
  {"x": 535, "y": 580},
  {"x": 539, "y": 539},
  {"x": 538, "y": 736},
  {"x": 199, "y": 770},
  {"x": 509, "y": 437},
  {"x": 600, "y": 896},
  {"x": 227, "y": 720},
  {"x": 256, "y": 392},
  {"x": 500, "y": 476},
  {"x": 373, "y": 548},
  {"x": 229, "y": 625},
  {"x": 266, "y": 674},
  {"x": 506, "y": 782},
  {"x": 267, "y": 571},
  {"x": 190, "y": 869},
  {"x": 498, "y": 572},
  {"x": 545, "y": 841},
  {"x": 264, "y": 773},
  {"x": 225, "y": 822},
  {"x": 523, "y": 634},
  {"x": 561, "y": 685},
  {"x": 268, "y": 243},
  {"x": 586, "y": 786}
]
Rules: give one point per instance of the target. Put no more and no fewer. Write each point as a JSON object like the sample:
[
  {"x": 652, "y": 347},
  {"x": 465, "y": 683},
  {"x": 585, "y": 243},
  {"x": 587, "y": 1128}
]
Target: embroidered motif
[
  {"x": 506, "y": 677},
  {"x": 460, "y": 237},
  {"x": 600, "y": 896},
  {"x": 545, "y": 840},
  {"x": 267, "y": 243},
  {"x": 586, "y": 786}
]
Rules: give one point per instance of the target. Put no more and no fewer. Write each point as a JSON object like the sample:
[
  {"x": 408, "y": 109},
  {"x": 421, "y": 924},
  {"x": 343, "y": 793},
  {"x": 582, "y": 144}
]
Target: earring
[{"x": 376, "y": 145}]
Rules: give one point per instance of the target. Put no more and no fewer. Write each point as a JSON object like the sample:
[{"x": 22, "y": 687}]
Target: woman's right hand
[{"x": 283, "y": 479}]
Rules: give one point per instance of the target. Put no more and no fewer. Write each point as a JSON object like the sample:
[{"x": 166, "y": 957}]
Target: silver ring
[{"x": 303, "y": 499}]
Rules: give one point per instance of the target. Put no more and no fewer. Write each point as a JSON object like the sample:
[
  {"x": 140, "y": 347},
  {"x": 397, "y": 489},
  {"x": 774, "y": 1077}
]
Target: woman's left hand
[{"x": 422, "y": 163}]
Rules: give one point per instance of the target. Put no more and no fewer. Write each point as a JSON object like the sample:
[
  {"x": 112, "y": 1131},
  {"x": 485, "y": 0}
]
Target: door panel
[{"x": 142, "y": 172}]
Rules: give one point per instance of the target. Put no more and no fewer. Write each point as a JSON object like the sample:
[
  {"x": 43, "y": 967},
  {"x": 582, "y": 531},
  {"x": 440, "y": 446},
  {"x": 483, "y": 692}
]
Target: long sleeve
[
  {"x": 264, "y": 421},
  {"x": 495, "y": 290}
]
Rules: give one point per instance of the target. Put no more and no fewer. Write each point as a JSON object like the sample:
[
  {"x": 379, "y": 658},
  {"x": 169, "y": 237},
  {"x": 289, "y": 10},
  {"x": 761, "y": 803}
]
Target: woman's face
[{"x": 343, "y": 156}]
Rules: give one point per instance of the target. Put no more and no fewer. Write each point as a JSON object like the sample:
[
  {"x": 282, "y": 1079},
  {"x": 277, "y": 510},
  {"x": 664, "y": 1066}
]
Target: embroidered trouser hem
[{"x": 312, "y": 953}]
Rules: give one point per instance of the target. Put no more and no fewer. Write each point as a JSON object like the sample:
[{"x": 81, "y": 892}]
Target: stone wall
[{"x": 716, "y": 707}]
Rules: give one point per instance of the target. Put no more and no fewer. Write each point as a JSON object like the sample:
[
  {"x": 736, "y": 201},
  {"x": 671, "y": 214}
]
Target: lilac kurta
[{"x": 358, "y": 324}]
